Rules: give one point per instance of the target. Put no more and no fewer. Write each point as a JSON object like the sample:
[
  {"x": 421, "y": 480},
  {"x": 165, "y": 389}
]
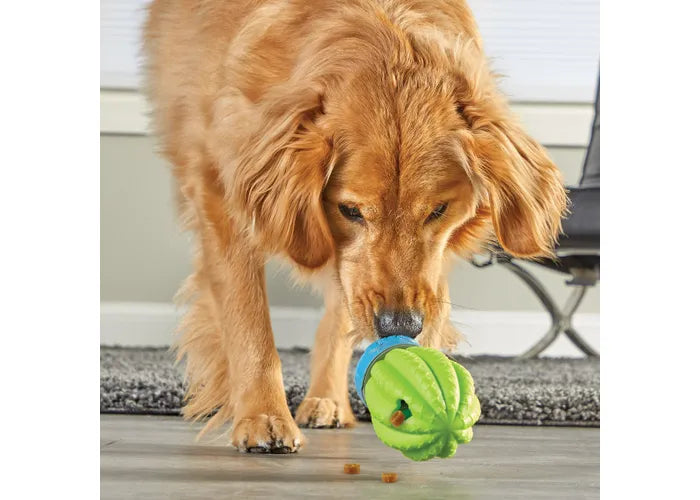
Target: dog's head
[{"x": 387, "y": 173}]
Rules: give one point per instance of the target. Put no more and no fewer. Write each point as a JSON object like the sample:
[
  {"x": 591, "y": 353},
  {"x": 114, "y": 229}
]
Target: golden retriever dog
[{"x": 363, "y": 141}]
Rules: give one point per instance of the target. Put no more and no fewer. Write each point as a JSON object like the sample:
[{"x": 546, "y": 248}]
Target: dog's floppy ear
[
  {"x": 526, "y": 195},
  {"x": 280, "y": 176},
  {"x": 524, "y": 189}
]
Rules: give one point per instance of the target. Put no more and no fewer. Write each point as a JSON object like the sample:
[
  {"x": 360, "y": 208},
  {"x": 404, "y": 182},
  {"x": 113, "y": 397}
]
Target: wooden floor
[{"x": 156, "y": 457}]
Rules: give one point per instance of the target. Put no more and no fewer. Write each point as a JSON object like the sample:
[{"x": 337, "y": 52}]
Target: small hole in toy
[{"x": 401, "y": 414}]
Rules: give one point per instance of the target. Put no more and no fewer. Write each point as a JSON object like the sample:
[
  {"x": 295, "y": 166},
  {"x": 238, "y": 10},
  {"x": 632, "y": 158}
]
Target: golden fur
[{"x": 274, "y": 112}]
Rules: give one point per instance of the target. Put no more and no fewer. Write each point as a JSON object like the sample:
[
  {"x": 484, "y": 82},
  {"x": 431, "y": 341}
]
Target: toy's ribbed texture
[{"x": 438, "y": 392}]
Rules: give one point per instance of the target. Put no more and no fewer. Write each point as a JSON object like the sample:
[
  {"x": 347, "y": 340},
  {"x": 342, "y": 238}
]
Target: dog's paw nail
[
  {"x": 266, "y": 433},
  {"x": 323, "y": 413}
]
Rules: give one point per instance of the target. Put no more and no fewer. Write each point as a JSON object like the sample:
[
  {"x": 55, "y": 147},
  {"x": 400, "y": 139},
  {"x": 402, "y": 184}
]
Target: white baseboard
[{"x": 502, "y": 333}]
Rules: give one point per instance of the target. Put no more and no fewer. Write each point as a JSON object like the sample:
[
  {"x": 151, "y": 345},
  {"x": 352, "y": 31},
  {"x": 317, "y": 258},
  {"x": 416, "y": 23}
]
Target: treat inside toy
[{"x": 402, "y": 414}]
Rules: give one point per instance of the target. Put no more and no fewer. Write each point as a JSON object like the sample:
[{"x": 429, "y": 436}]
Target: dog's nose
[{"x": 408, "y": 323}]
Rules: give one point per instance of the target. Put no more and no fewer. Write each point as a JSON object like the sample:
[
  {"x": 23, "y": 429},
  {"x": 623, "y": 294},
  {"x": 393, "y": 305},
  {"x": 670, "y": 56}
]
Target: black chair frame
[{"x": 577, "y": 254}]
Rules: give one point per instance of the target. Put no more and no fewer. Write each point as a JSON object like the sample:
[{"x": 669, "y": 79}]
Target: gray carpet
[{"x": 550, "y": 391}]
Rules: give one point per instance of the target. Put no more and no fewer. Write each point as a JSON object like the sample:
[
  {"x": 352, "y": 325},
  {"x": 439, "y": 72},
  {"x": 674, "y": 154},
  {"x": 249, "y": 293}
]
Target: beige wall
[{"x": 144, "y": 256}]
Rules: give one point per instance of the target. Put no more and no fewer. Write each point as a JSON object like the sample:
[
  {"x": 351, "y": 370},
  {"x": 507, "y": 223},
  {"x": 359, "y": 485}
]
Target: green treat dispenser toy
[{"x": 421, "y": 402}]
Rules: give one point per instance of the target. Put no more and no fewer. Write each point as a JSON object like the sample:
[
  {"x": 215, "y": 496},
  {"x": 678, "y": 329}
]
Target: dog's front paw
[
  {"x": 267, "y": 434},
  {"x": 324, "y": 413}
]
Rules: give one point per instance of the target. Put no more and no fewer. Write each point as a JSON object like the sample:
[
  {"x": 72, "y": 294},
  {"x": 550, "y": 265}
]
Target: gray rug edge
[{"x": 590, "y": 420}]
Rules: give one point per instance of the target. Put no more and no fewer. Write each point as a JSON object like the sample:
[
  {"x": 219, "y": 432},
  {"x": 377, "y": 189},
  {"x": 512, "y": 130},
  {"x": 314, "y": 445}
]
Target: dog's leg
[
  {"x": 262, "y": 420},
  {"x": 327, "y": 403},
  {"x": 233, "y": 366}
]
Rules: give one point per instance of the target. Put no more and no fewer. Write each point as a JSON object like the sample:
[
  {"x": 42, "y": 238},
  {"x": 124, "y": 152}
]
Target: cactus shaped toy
[{"x": 422, "y": 403}]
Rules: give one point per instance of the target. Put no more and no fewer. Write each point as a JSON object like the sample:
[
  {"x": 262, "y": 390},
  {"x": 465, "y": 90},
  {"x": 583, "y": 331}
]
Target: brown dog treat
[
  {"x": 397, "y": 418},
  {"x": 389, "y": 477},
  {"x": 351, "y": 468}
]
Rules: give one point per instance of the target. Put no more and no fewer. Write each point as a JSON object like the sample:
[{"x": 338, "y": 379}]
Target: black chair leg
[
  {"x": 567, "y": 315},
  {"x": 561, "y": 318}
]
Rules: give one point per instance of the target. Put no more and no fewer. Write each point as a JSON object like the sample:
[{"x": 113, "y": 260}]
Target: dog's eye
[
  {"x": 437, "y": 213},
  {"x": 351, "y": 213}
]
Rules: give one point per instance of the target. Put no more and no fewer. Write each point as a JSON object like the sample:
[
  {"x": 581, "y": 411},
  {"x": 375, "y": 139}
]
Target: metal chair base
[{"x": 561, "y": 318}]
